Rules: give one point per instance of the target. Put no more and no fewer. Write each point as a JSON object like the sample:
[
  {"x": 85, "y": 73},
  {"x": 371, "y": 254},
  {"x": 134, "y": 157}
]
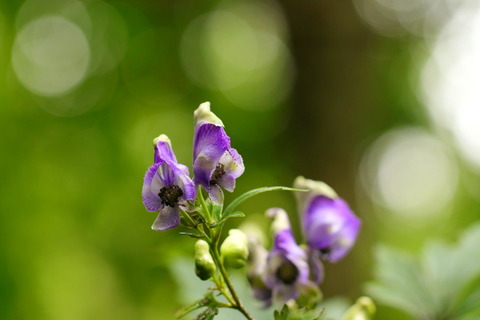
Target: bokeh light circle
[
  {"x": 240, "y": 49},
  {"x": 450, "y": 78},
  {"x": 50, "y": 56},
  {"x": 410, "y": 172}
]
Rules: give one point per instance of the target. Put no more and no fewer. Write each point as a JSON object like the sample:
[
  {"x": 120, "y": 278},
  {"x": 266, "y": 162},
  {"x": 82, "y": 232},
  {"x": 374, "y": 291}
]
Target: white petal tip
[
  {"x": 203, "y": 113},
  {"x": 317, "y": 187},
  {"x": 162, "y": 137}
]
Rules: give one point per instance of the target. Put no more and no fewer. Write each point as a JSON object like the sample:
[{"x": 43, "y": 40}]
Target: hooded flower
[
  {"x": 329, "y": 224},
  {"x": 215, "y": 163},
  {"x": 256, "y": 267},
  {"x": 287, "y": 269},
  {"x": 166, "y": 186}
]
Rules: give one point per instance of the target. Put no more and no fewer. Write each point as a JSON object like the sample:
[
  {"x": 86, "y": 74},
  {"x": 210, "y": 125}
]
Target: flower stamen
[
  {"x": 217, "y": 174},
  {"x": 170, "y": 194}
]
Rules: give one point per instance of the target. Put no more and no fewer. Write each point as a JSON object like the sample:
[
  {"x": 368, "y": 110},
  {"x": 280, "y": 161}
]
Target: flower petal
[
  {"x": 210, "y": 143},
  {"x": 315, "y": 188},
  {"x": 233, "y": 163},
  {"x": 344, "y": 241},
  {"x": 163, "y": 150},
  {"x": 227, "y": 182},
  {"x": 330, "y": 226},
  {"x": 316, "y": 266},
  {"x": 168, "y": 217},
  {"x": 187, "y": 186},
  {"x": 215, "y": 194},
  {"x": 282, "y": 293},
  {"x": 151, "y": 187},
  {"x": 287, "y": 267}
]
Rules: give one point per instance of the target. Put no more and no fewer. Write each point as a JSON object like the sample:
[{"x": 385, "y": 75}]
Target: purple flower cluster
[
  {"x": 289, "y": 271},
  {"x": 167, "y": 187}
]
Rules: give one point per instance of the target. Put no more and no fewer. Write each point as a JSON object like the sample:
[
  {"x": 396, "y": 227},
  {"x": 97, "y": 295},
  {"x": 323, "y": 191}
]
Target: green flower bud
[
  {"x": 363, "y": 309},
  {"x": 279, "y": 218},
  {"x": 204, "y": 265},
  {"x": 309, "y": 295},
  {"x": 234, "y": 249}
]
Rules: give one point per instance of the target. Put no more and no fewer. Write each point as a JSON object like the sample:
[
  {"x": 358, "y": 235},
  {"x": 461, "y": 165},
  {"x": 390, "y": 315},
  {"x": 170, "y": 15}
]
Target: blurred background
[{"x": 378, "y": 98}]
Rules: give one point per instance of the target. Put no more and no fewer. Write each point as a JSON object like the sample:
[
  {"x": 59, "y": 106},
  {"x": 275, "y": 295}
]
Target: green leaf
[
  {"x": 255, "y": 192},
  {"x": 298, "y": 314},
  {"x": 282, "y": 314},
  {"x": 192, "y": 235},
  {"x": 441, "y": 283},
  {"x": 207, "y": 300},
  {"x": 235, "y": 214},
  {"x": 216, "y": 211},
  {"x": 208, "y": 314}
]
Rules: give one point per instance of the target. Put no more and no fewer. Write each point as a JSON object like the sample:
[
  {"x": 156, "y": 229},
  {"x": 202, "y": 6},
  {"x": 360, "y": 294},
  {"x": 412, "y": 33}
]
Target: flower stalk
[{"x": 290, "y": 272}]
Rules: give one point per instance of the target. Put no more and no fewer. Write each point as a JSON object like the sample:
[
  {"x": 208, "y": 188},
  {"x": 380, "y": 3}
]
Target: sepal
[
  {"x": 234, "y": 249},
  {"x": 204, "y": 264}
]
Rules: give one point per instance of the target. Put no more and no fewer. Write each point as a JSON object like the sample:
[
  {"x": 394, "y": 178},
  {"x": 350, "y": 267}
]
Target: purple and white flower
[
  {"x": 166, "y": 186},
  {"x": 256, "y": 267},
  {"x": 215, "y": 163},
  {"x": 287, "y": 270},
  {"x": 329, "y": 224}
]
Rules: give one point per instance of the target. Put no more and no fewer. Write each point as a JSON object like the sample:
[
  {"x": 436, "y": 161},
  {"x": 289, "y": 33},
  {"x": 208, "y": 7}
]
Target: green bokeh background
[{"x": 75, "y": 239}]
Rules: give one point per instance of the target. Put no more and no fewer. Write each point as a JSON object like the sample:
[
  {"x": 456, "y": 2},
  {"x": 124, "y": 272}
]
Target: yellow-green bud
[
  {"x": 363, "y": 309},
  {"x": 309, "y": 295},
  {"x": 280, "y": 220},
  {"x": 234, "y": 249},
  {"x": 204, "y": 265}
]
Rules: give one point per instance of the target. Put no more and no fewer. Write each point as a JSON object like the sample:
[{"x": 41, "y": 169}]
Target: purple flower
[
  {"x": 215, "y": 163},
  {"x": 329, "y": 224},
  {"x": 287, "y": 270},
  {"x": 256, "y": 267},
  {"x": 166, "y": 186}
]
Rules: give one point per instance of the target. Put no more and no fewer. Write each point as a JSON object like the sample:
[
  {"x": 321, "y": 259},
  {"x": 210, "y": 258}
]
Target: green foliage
[
  {"x": 441, "y": 283},
  {"x": 287, "y": 313},
  {"x": 252, "y": 193},
  {"x": 235, "y": 214}
]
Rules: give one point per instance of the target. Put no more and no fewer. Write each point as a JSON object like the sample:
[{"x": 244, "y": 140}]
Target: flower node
[
  {"x": 170, "y": 194},
  {"x": 217, "y": 174}
]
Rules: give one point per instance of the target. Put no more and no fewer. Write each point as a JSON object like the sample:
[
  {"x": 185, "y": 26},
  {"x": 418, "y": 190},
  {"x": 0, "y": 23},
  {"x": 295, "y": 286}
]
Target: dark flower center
[
  {"x": 170, "y": 194},
  {"x": 325, "y": 250},
  {"x": 217, "y": 174},
  {"x": 287, "y": 272}
]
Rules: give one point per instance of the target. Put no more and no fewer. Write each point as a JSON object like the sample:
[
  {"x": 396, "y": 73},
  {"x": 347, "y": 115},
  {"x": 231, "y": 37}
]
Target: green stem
[
  {"x": 187, "y": 217},
  {"x": 214, "y": 243},
  {"x": 238, "y": 304},
  {"x": 221, "y": 288},
  {"x": 204, "y": 204}
]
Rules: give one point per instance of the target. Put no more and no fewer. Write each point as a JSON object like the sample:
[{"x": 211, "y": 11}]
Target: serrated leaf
[
  {"x": 304, "y": 314},
  {"x": 441, "y": 283},
  {"x": 208, "y": 314},
  {"x": 300, "y": 314},
  {"x": 255, "y": 192},
  {"x": 282, "y": 314}
]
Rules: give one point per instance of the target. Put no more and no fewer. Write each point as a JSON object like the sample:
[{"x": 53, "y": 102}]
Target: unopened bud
[
  {"x": 279, "y": 218},
  {"x": 234, "y": 249},
  {"x": 204, "y": 265},
  {"x": 363, "y": 309},
  {"x": 309, "y": 295}
]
